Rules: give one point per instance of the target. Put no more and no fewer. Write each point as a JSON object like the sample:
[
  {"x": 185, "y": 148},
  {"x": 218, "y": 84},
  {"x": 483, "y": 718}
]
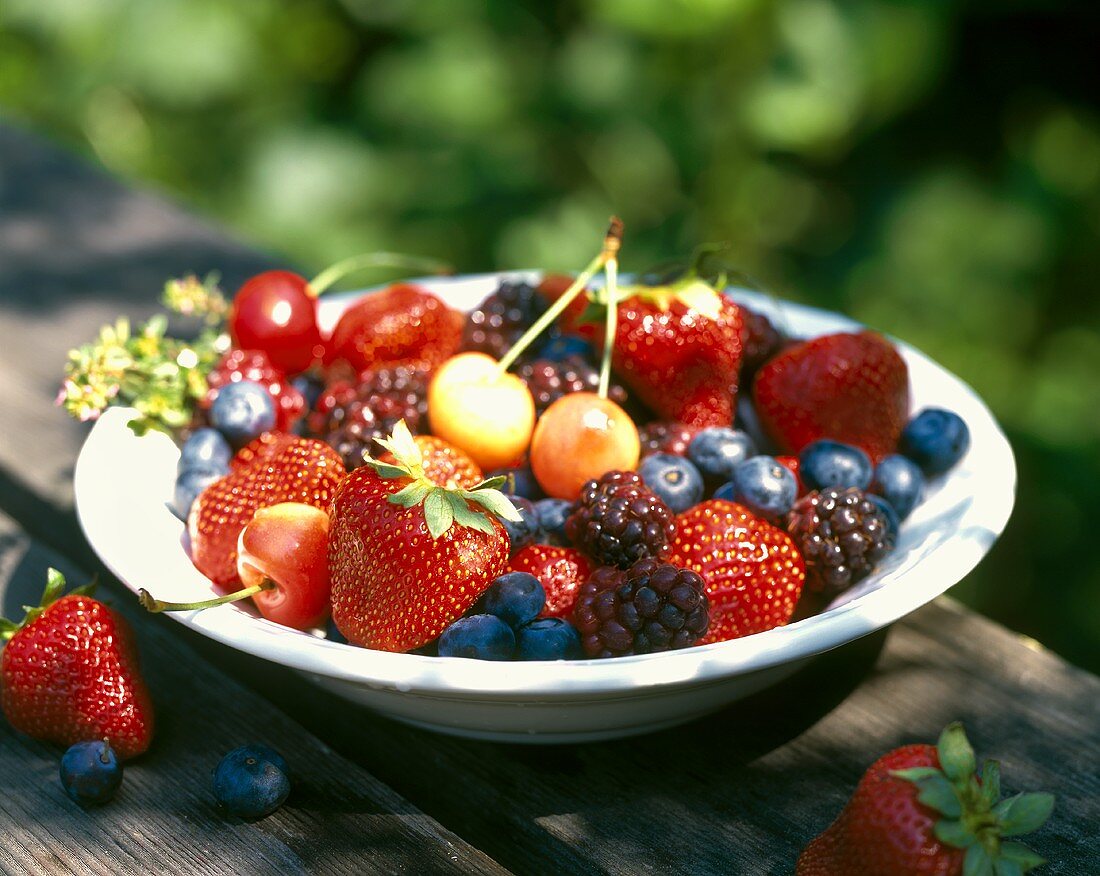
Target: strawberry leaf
[
  {"x": 465, "y": 516},
  {"x": 702, "y": 298},
  {"x": 1023, "y": 813},
  {"x": 1020, "y": 854},
  {"x": 977, "y": 862},
  {"x": 956, "y": 756},
  {"x": 915, "y": 774},
  {"x": 954, "y": 833},
  {"x": 55, "y": 586},
  {"x": 385, "y": 470},
  {"x": 594, "y": 313},
  {"x": 494, "y": 483},
  {"x": 411, "y": 495},
  {"x": 991, "y": 782},
  {"x": 938, "y": 793},
  {"x": 1005, "y": 867},
  {"x": 494, "y": 501},
  {"x": 438, "y": 513}
]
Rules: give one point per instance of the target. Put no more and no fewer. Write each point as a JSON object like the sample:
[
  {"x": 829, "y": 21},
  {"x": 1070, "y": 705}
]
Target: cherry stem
[
  {"x": 334, "y": 273},
  {"x": 611, "y": 324},
  {"x": 611, "y": 243},
  {"x": 150, "y": 603}
]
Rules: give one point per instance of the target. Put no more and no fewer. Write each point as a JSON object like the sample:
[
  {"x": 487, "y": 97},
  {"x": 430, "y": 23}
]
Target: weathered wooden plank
[
  {"x": 741, "y": 791},
  {"x": 339, "y": 818}
]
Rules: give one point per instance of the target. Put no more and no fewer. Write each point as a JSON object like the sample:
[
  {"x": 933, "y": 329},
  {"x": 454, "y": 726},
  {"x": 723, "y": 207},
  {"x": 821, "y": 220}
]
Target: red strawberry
[
  {"x": 400, "y": 324},
  {"x": 678, "y": 349},
  {"x": 923, "y": 810},
  {"x": 852, "y": 388},
  {"x": 255, "y": 365},
  {"x": 70, "y": 674},
  {"x": 408, "y": 557},
  {"x": 560, "y": 570},
  {"x": 444, "y": 464},
  {"x": 754, "y": 573},
  {"x": 274, "y": 468}
]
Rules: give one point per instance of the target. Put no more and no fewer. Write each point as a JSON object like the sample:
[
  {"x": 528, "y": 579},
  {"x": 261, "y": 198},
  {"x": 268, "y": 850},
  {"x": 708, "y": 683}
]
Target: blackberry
[
  {"x": 618, "y": 521},
  {"x": 350, "y": 414},
  {"x": 549, "y": 380},
  {"x": 666, "y": 437},
  {"x": 652, "y": 606},
  {"x": 841, "y": 534},
  {"x": 500, "y": 320}
]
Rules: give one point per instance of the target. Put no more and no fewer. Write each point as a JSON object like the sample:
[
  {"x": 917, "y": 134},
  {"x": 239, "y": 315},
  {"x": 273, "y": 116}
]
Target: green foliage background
[{"x": 932, "y": 168}]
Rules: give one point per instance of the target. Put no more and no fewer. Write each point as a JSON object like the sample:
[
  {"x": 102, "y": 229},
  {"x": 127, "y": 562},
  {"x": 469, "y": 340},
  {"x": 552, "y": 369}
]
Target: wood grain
[
  {"x": 739, "y": 792},
  {"x": 339, "y": 818}
]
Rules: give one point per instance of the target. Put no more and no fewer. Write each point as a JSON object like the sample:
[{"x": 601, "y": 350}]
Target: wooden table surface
[{"x": 741, "y": 791}]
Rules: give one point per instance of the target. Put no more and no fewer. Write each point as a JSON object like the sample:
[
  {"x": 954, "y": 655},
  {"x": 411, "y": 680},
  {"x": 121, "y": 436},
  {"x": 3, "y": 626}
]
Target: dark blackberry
[
  {"x": 666, "y": 437},
  {"x": 618, "y": 521},
  {"x": 760, "y": 341},
  {"x": 652, "y": 606},
  {"x": 500, "y": 320},
  {"x": 350, "y": 414},
  {"x": 841, "y": 534},
  {"x": 549, "y": 380}
]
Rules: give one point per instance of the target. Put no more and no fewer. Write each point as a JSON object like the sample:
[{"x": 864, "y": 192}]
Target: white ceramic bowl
[{"x": 123, "y": 482}]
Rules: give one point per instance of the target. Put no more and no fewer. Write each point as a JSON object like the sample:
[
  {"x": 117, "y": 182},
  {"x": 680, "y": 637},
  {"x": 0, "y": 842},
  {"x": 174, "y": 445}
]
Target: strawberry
[
  {"x": 924, "y": 810},
  {"x": 401, "y": 324},
  {"x": 255, "y": 365},
  {"x": 678, "y": 349},
  {"x": 444, "y": 464},
  {"x": 408, "y": 557},
  {"x": 274, "y": 468},
  {"x": 753, "y": 572},
  {"x": 560, "y": 570},
  {"x": 853, "y": 388},
  {"x": 70, "y": 674}
]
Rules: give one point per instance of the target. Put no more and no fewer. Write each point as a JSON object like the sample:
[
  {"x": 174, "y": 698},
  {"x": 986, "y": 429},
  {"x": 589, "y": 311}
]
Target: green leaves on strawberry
[
  {"x": 407, "y": 556},
  {"x": 925, "y": 809}
]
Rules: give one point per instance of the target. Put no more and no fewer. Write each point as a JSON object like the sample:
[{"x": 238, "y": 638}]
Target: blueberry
[
  {"x": 526, "y": 530},
  {"x": 727, "y": 492},
  {"x": 551, "y": 514},
  {"x": 90, "y": 772},
  {"x": 520, "y": 482},
  {"x": 899, "y": 481},
  {"x": 242, "y": 411},
  {"x": 717, "y": 451},
  {"x": 310, "y": 387},
  {"x": 892, "y": 522},
  {"x": 563, "y": 346},
  {"x": 935, "y": 440},
  {"x": 188, "y": 486},
  {"x": 549, "y": 638},
  {"x": 764, "y": 486},
  {"x": 251, "y": 782},
  {"x": 828, "y": 463},
  {"x": 515, "y": 597},
  {"x": 480, "y": 636},
  {"x": 205, "y": 448},
  {"x": 673, "y": 479}
]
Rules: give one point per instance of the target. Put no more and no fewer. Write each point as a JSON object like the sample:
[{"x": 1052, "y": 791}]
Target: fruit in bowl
[{"x": 418, "y": 536}]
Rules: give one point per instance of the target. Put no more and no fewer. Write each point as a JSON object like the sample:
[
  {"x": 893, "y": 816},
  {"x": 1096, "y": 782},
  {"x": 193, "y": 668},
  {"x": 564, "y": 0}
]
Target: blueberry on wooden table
[
  {"x": 91, "y": 772},
  {"x": 251, "y": 782}
]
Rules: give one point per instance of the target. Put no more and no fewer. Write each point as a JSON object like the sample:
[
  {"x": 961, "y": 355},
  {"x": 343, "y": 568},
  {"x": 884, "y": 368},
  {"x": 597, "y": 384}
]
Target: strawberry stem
[
  {"x": 611, "y": 324},
  {"x": 611, "y": 243},
  {"x": 334, "y": 273},
  {"x": 150, "y": 603}
]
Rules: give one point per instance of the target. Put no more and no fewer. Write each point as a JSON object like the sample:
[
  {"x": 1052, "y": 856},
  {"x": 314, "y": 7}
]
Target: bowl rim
[{"x": 984, "y": 517}]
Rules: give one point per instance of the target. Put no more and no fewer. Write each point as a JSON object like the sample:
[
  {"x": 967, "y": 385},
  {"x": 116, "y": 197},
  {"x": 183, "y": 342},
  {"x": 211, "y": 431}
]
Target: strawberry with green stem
[
  {"x": 926, "y": 810},
  {"x": 407, "y": 556},
  {"x": 69, "y": 673}
]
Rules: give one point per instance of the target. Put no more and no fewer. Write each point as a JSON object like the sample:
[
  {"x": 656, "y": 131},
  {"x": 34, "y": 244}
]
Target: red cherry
[
  {"x": 276, "y": 312},
  {"x": 284, "y": 549}
]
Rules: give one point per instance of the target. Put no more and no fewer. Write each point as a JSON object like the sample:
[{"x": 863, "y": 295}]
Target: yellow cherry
[
  {"x": 480, "y": 409},
  {"x": 579, "y": 437}
]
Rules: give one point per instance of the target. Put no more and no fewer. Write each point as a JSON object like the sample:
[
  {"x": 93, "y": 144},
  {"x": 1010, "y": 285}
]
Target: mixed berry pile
[{"x": 572, "y": 469}]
